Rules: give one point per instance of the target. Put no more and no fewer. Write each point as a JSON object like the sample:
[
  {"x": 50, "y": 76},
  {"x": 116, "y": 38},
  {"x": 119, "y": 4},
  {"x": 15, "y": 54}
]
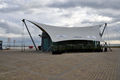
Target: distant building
[
  {"x": 67, "y": 39},
  {"x": 0, "y": 45}
]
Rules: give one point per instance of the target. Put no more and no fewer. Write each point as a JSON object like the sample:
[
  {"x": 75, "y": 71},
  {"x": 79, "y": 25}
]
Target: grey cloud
[
  {"x": 93, "y": 23},
  {"x": 6, "y": 10},
  {"x": 98, "y": 4},
  {"x": 9, "y": 28},
  {"x": 24, "y": 10},
  {"x": 114, "y": 17},
  {"x": 17, "y": 6}
]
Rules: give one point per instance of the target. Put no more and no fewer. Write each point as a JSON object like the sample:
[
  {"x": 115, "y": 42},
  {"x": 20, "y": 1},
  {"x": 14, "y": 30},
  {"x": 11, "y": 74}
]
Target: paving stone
[{"x": 32, "y": 65}]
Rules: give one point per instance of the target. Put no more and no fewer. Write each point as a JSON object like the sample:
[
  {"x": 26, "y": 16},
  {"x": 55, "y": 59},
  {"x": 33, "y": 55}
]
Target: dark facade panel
[
  {"x": 46, "y": 42},
  {"x": 0, "y": 45},
  {"x": 76, "y": 46}
]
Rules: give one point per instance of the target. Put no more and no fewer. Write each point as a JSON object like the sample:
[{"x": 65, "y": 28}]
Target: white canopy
[{"x": 70, "y": 33}]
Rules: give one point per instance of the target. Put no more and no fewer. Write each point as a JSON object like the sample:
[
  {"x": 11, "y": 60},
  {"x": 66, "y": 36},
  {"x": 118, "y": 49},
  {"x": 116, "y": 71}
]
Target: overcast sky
[{"x": 70, "y": 13}]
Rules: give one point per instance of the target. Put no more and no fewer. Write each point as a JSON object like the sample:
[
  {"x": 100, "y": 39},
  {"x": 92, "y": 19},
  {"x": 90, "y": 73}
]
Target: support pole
[
  {"x": 103, "y": 29},
  {"x": 29, "y": 34}
]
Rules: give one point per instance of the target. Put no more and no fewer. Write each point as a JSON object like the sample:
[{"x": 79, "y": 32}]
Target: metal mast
[
  {"x": 29, "y": 34},
  {"x": 103, "y": 29}
]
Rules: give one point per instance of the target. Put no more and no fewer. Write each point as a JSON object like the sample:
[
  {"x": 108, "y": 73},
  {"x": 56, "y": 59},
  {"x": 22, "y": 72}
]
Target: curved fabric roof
[{"x": 70, "y": 33}]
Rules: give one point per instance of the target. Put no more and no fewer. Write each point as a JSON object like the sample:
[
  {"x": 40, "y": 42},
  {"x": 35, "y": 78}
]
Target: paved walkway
[{"x": 16, "y": 65}]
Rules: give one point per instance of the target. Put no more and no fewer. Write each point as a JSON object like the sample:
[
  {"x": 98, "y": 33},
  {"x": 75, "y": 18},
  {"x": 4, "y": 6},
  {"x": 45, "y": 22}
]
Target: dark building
[{"x": 0, "y": 45}]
